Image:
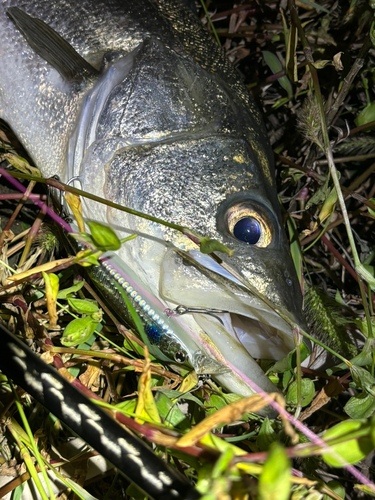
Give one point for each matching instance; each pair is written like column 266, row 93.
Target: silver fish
column 137, row 102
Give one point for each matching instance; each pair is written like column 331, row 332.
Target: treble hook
column 180, row 310
column 72, row 179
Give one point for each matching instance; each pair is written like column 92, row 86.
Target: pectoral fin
column 51, row 46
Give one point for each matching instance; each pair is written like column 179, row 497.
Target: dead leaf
column 22, row 165
column 3, row 137
column 8, row 235
column 75, row 206
column 337, row 61
column 146, row 406
column 44, row 267
column 90, row 377
column 189, row 382
column 52, row 288
column 47, row 357
column 333, row 388
column 232, row 413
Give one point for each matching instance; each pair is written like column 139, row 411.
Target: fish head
column 210, row 185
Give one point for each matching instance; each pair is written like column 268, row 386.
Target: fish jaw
column 240, row 326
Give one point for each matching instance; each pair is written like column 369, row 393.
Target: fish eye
column 248, row 230
column 247, row 224
column 179, row 357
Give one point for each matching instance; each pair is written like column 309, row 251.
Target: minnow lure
column 162, row 327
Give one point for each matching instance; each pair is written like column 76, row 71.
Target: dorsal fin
column 51, row 46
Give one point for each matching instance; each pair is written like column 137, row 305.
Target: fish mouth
column 240, row 327
column 237, row 337
column 260, row 340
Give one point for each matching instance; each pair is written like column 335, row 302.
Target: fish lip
column 290, row 321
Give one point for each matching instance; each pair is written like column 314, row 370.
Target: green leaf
column 353, row 442
column 287, row 375
column 337, row 488
column 177, row 395
column 170, row 413
column 18, row 492
column 320, row 195
column 371, row 212
column 370, row 269
column 364, row 488
column 221, row 466
column 274, row 482
column 207, row 245
column 280, row 102
column 322, row 63
column 363, row 379
column 231, row 397
column 367, row 115
column 364, row 358
column 78, row 331
column 362, row 325
column 307, row 392
column 266, row 435
column 315, row 5
column 366, row 275
column 328, row 206
column 90, row 259
column 78, row 490
column 275, row 66
column 170, row 393
column 216, row 403
column 289, row 362
column 338, row 298
column 360, row 406
column 295, row 247
column 81, row 306
column 127, row 406
column 63, row 294
column 104, row 236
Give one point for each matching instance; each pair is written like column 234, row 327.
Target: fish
column 134, row 102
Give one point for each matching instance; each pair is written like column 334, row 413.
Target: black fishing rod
column 128, row 453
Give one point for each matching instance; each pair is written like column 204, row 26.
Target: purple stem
column 308, row 433
column 38, row 202
column 19, row 196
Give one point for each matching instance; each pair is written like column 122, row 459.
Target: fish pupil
column 247, row 230
column 179, row 357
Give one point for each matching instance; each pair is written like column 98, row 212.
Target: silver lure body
column 164, row 127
